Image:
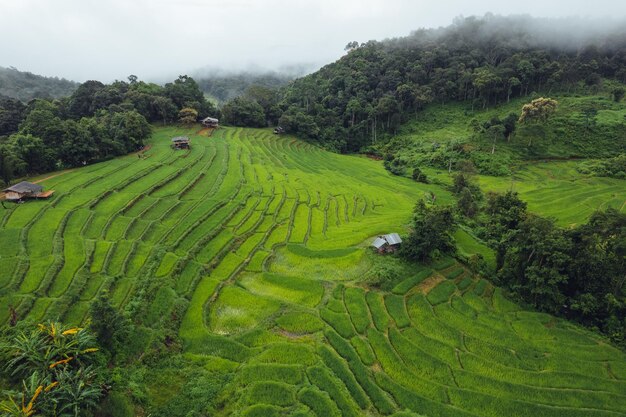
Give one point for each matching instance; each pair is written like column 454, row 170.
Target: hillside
column 365, row 97
column 442, row 136
column 244, row 265
column 26, row 86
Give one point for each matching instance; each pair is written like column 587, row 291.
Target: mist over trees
column 26, row 86
column 485, row 61
column 227, row 86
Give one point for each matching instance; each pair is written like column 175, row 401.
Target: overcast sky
column 158, row 39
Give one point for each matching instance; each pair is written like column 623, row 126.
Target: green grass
column 253, row 248
column 441, row 293
column 300, row 322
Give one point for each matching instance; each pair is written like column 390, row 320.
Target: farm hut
column 210, row 122
column 279, row 130
column 24, row 190
column 387, row 243
column 181, row 142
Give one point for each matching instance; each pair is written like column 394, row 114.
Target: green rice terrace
column 257, row 245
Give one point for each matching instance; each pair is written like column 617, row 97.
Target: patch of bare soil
column 428, row 284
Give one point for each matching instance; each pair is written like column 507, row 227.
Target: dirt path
column 53, row 176
column 207, row 131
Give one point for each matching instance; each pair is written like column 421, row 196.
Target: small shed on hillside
column 181, row 142
column 387, row 243
column 210, row 122
column 25, row 189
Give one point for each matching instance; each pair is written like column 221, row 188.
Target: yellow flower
column 61, row 362
column 72, row 331
column 49, row 387
column 29, row 408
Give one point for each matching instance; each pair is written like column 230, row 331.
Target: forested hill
column 226, row 86
column 377, row 86
column 26, row 86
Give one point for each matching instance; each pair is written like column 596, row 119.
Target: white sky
column 158, row 39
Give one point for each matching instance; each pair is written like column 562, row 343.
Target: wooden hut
column 23, row 190
column 210, row 122
column 181, row 142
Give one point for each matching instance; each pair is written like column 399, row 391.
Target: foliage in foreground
column 56, row 368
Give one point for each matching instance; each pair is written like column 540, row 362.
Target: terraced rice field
column 255, row 245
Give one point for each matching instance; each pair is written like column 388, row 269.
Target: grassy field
column 253, row 247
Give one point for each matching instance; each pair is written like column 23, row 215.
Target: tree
column 504, row 213
column 184, row 91
column 11, row 114
column 535, row 267
column 82, row 101
column 33, row 152
column 618, row 94
column 187, row 116
column 243, row 111
column 496, row 131
column 109, row 326
column 538, row 111
column 419, row 176
column 351, row 46
column 466, row 203
column 10, row 164
column 164, row 108
column 431, row 233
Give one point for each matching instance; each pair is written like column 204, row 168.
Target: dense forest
column 376, row 86
column 96, row 122
column 26, row 86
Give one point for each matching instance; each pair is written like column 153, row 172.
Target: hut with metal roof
column 210, row 122
column 387, row 243
column 23, row 190
column 181, row 142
